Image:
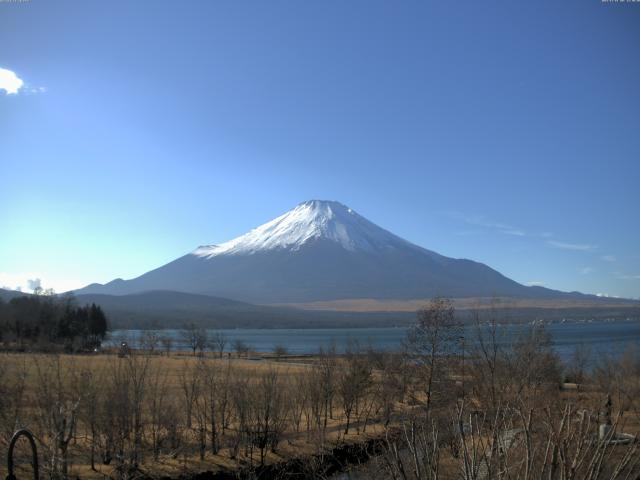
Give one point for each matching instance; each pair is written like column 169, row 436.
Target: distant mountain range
column 323, row 265
column 322, row 251
column 7, row 295
column 170, row 309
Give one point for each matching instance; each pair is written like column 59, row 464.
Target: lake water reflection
column 609, row 337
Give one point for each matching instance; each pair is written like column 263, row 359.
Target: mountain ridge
column 307, row 221
column 167, row 309
column 318, row 251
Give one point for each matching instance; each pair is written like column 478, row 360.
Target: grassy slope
column 377, row 305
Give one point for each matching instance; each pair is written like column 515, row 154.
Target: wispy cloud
column 481, row 221
column 535, row 283
column 29, row 90
column 10, row 82
column 583, row 247
column 546, row 237
column 627, row 277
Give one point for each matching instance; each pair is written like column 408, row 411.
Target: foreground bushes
column 491, row 409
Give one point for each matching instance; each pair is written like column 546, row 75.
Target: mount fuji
column 319, row 251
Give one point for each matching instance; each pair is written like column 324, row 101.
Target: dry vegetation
column 438, row 411
column 469, row 303
column 153, row 414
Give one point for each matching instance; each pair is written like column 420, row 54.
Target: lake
column 601, row 337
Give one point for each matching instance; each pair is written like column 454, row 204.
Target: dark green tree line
column 47, row 320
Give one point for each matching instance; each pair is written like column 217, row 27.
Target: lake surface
column 601, row 337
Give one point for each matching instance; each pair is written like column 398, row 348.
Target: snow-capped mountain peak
column 308, row 221
column 320, row 251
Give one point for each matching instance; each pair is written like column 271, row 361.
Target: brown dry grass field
column 68, row 374
column 293, row 444
column 472, row 303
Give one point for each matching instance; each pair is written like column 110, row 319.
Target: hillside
column 321, row 251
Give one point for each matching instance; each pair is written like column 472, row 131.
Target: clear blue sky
column 505, row 132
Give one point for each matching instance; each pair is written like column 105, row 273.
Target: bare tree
column 415, row 452
column 280, row 351
column 240, row 398
column 354, row 382
column 224, row 402
column 620, row 378
column 57, row 402
column 90, row 390
column 149, row 341
column 13, row 378
column 212, row 400
column 533, row 366
column 430, row 341
column 298, row 399
column 325, row 373
column 630, row 366
column 195, row 337
column 241, row 348
column 167, row 344
column 391, row 385
column 487, row 362
column 156, row 406
column 189, row 385
column 267, row 419
column 171, row 423
column 202, row 404
column 316, row 402
column 137, row 369
column 578, row 364
column 218, row 341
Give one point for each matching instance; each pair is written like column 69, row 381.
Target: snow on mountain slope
column 320, row 250
column 308, row 221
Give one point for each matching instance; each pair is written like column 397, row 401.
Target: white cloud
column 608, row 258
column 571, row 246
column 28, row 281
column 13, row 281
column 479, row 220
column 586, row 270
column 25, row 282
column 33, row 284
column 628, row 277
column 9, row 82
column 28, row 90
column 535, row 283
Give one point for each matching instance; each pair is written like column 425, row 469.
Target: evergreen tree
column 54, row 320
column 97, row 325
